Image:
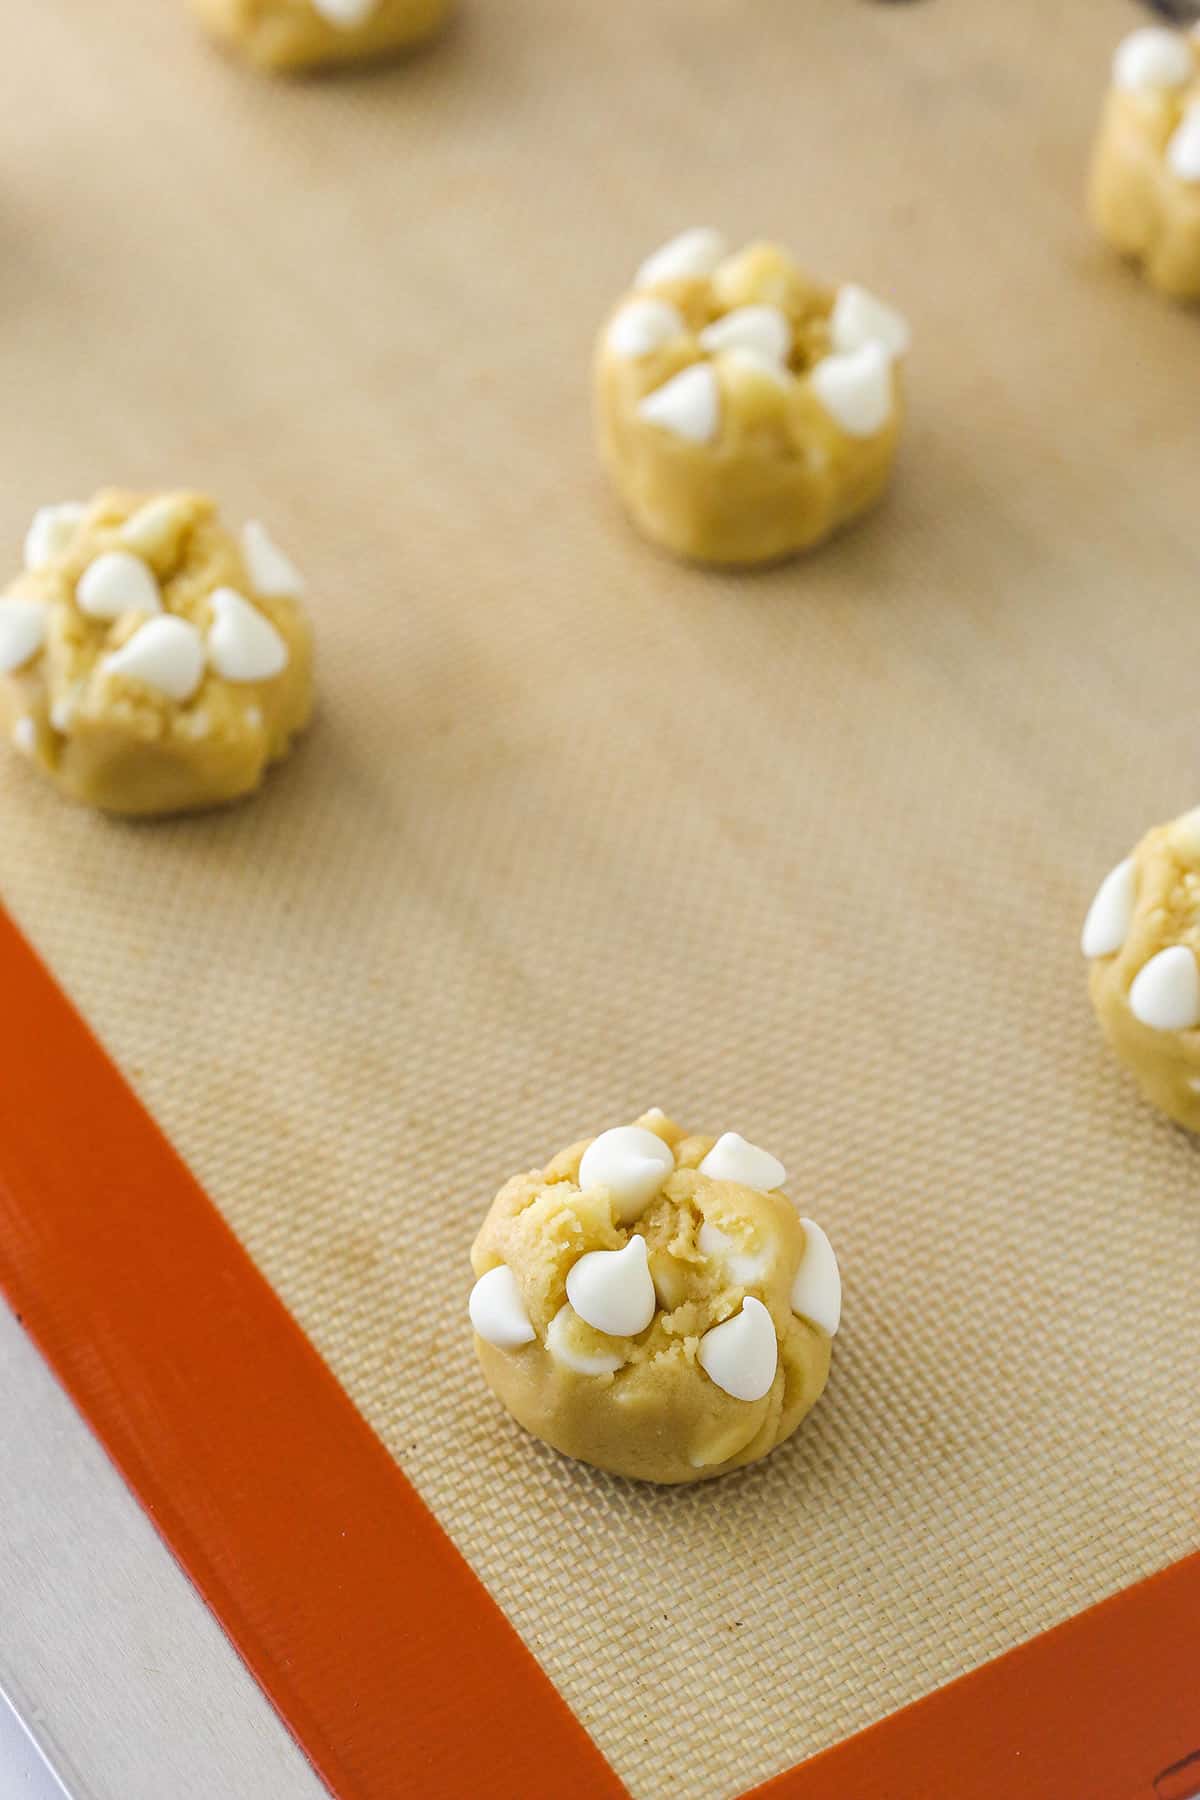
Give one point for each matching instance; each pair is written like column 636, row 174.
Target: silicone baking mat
column 579, row 831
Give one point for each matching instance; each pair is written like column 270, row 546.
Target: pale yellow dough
column 1165, row 913
column 781, row 474
column 291, row 35
column 115, row 743
column 659, row 1417
column 1140, row 206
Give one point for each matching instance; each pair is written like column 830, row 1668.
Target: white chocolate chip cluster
column 1142, row 938
column 150, row 661
column 652, row 1303
column 1145, row 184
column 745, row 412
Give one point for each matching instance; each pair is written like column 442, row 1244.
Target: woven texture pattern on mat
column 579, row 831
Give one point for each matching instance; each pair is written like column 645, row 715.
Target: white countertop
column 24, row 1772
column 106, row 1650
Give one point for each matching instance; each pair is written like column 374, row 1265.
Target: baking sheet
column 579, row 831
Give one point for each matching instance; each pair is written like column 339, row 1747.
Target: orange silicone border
column 1104, row 1707
column 382, row 1652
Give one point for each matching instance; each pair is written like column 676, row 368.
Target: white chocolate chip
column 1111, row 913
column 644, row 325
column 62, row 714
column 859, row 318
column 741, row 1355
column 695, row 252
column 817, row 1289
column 632, row 1163
column 1166, row 991
column 117, row 582
column 688, row 405
column 50, row 532
column 855, row 388
column 272, row 574
column 345, row 14
column 1183, row 151
column 741, row 358
column 24, row 735
column 22, row 631
column 242, row 644
column 1184, row 834
column 744, row 1268
column 713, row 1242
column 498, row 1311
column 166, row 654
column 611, row 1290
column 154, row 527
column 563, row 1350
column 733, row 1159
column 762, row 328
column 1152, row 58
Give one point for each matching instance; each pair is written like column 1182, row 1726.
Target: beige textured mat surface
column 579, row 831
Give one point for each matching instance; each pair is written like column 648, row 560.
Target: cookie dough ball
column 1142, row 937
column 650, row 1302
column 1145, row 183
column 745, row 411
column 150, row 661
column 288, row 35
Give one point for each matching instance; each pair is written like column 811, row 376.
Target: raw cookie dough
column 1145, row 181
column 651, row 1303
column 1142, row 936
column 150, row 661
column 745, row 412
column 302, row 34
